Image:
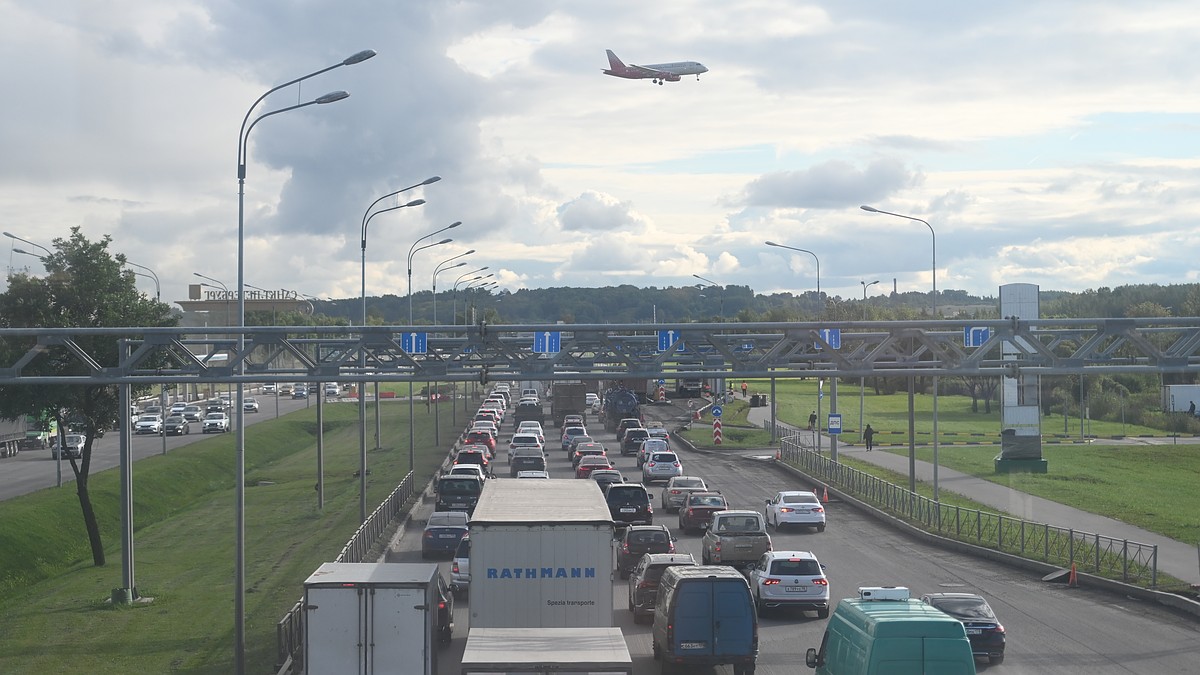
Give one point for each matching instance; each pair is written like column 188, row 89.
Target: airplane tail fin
column 613, row 62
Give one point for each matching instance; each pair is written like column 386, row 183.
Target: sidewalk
column 1176, row 558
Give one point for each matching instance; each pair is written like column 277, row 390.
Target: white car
column 590, row 399
column 268, row 388
column 795, row 507
column 526, row 440
column 469, row 470
column 533, row 474
column 177, row 409
column 790, row 579
column 148, row 424
column 331, row 390
column 531, row 427
column 250, row 404
column 215, row 422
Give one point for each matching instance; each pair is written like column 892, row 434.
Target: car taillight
column 646, row 584
column 691, row 512
column 428, row 535
column 441, row 604
column 674, row 492
column 454, row 567
column 676, row 465
column 818, row 509
column 770, row 582
column 820, row 582
column 625, row 547
column 649, row 508
column 671, row 547
column 650, row 464
column 999, row 627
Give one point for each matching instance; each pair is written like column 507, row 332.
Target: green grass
column 53, row 598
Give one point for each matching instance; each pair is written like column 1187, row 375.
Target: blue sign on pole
column 661, row 382
column 835, row 423
column 975, row 336
column 666, row 338
column 547, row 342
column 716, row 411
column 832, row 336
column 414, row 343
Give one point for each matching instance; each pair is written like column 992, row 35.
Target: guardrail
column 1129, row 561
column 289, row 632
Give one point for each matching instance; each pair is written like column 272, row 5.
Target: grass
column 53, row 598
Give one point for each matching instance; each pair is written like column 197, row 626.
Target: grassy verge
column 56, row 617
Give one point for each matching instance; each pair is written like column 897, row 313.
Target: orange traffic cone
column 1072, row 578
column 825, row 495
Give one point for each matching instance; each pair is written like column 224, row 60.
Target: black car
column 629, row 504
column 632, row 440
column 457, row 493
column 983, row 628
column 445, row 615
column 177, row 425
column 643, row 581
column 640, row 540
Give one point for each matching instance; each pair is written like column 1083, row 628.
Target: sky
column 1051, row 142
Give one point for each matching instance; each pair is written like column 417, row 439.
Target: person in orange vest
column 744, row 388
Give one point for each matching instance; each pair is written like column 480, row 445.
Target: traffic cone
column 825, row 495
column 1072, row 578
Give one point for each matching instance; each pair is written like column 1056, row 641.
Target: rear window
column 796, row 568
column 648, row 537
column 801, row 499
column 663, row 457
column 969, row 608
column 706, row 501
column 460, row 486
column 627, row 495
column 739, row 524
column 687, row 482
column 637, row 433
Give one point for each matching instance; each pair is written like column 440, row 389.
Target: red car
column 591, row 463
column 478, row 437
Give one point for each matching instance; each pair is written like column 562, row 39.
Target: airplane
column 655, row 72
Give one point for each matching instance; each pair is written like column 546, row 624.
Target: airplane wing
column 650, row 72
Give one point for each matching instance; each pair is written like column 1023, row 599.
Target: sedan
column 443, row 532
column 790, row 579
column 193, row 413
column 984, row 630
column 177, row 425
column 677, row 489
column 795, row 507
column 589, row 464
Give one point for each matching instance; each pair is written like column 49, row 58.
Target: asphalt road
column 1052, row 629
column 33, row 470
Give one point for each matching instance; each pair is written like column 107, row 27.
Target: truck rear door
column 733, row 619
column 694, row 619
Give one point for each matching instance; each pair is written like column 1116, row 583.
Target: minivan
column 884, row 632
column 704, row 615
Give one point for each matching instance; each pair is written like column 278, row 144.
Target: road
column 33, row 470
column 1052, row 629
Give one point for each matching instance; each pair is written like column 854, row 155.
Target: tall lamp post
column 240, row 436
column 150, row 274
column 865, row 286
column 862, row 381
column 714, row 284
column 442, row 267
column 412, row 250
column 933, row 315
column 463, row 279
column 218, row 284
column 820, row 298
column 10, row 235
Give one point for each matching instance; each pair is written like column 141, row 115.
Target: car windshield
column 460, row 487
column 807, row 498
column 965, row 608
column 796, row 568
column 707, row 501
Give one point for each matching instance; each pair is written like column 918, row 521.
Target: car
column 643, row 581
column 285, row 388
column 443, row 531
column 457, row 492
column 627, row 423
column 250, row 404
column 648, row 446
column 639, row 540
column 176, row 409
column 486, row 425
column 790, row 579
column 481, row 437
column 576, row 441
column 153, row 410
column 661, row 466
column 660, row 433
column 193, row 413
column 531, row 427
column 72, row 447
column 300, row 392
column 698, row 509
column 572, row 421
column 269, row 388
column 529, row 458
column 177, row 425
column 591, row 398
column 445, row 613
column 587, row 450
column 215, row 423
column 331, row 390
column 677, row 490
column 984, row 630
column 473, row 456
column 795, row 507
column 587, row 464
column 460, row 567
column 467, row 470
column 606, row 477
column 526, row 440
column 570, row 432
column 632, row 440
column 148, row 424
column 629, row 504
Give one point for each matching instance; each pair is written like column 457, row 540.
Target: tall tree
column 85, row 287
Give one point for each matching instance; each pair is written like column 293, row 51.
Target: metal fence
column 1130, row 561
column 289, row 632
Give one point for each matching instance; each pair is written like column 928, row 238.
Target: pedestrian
column 1192, row 408
column 812, row 421
column 869, row 437
column 745, row 387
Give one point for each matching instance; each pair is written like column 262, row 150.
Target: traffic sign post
column 716, row 411
column 547, row 342
column 835, row 424
column 414, row 343
column 666, row 338
column 716, row 431
column 975, row 336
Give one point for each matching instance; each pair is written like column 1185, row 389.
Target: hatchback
column 984, row 630
column 640, row 540
column 661, row 466
column 790, row 579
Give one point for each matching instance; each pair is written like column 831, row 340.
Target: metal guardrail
column 1129, row 561
column 289, row 632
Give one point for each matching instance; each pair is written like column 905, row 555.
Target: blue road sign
column 414, row 343
column 661, row 382
column 832, row 336
column 835, row 423
column 975, row 336
column 547, row 342
column 716, row 411
column 666, row 338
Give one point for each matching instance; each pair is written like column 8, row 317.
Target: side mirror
column 810, row 658
column 768, row 502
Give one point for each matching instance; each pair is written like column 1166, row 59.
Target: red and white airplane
column 655, row 72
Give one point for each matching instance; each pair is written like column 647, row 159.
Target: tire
column 823, row 613
column 996, row 660
column 820, row 528
column 704, row 558
column 624, row 574
column 759, row 610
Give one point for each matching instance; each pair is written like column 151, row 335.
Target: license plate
column 446, row 536
column 796, row 589
column 743, row 545
column 624, row 510
column 974, row 631
column 693, row 645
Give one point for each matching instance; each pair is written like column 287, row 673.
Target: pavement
column 1176, row 558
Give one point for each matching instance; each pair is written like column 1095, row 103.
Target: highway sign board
column 832, row 336
column 414, row 343
column 835, row 423
column 547, row 342
column 975, row 336
column 666, row 338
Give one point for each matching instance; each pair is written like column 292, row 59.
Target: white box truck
column 371, row 618
column 541, row 556
column 1181, row 397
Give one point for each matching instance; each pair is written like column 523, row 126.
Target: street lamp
column 10, row 235
column 240, row 437
column 454, row 288
column 865, row 286
column 412, row 250
column 219, row 284
column 442, row 267
column 151, row 275
column 933, row 315
column 820, row 299
column 715, row 285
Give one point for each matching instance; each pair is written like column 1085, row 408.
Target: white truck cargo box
column 883, row 593
column 1180, row 397
column 541, row 558
column 597, row 651
column 371, row 618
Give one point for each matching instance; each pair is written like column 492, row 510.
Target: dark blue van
column 704, row 615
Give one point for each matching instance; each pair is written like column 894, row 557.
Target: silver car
column 677, row 489
column 661, row 466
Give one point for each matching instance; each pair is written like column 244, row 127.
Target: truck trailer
column 371, row 618
column 1181, row 398
column 570, row 398
column 541, row 556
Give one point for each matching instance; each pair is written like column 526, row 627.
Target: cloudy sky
column 1050, row 142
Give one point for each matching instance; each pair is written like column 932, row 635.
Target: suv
column 627, row 423
column 984, row 630
column 640, row 540
column 790, row 579
column 629, row 504
column 215, row 422
column 632, row 440
column 661, row 466
column 737, row 538
column 643, row 581
column 457, row 493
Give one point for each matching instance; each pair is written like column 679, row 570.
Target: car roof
column 647, row 528
column 671, row 558
column 963, row 596
column 776, row 555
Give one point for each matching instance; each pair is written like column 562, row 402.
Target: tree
column 85, row 287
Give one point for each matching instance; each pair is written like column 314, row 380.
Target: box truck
column 1181, row 397
column 541, row 556
column 371, row 618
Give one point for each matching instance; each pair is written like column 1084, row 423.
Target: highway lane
column 32, row 470
column 1051, row 629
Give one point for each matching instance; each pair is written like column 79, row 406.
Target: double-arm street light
column 412, row 250
column 866, row 285
column 714, row 284
column 462, row 278
column 10, row 235
column 240, row 437
column 442, row 267
column 820, row 298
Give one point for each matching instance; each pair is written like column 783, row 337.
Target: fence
column 1129, row 561
column 289, row 632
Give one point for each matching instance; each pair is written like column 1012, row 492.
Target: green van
column 884, row 632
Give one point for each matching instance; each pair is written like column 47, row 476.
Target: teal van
column 884, row 632
column 704, row 616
